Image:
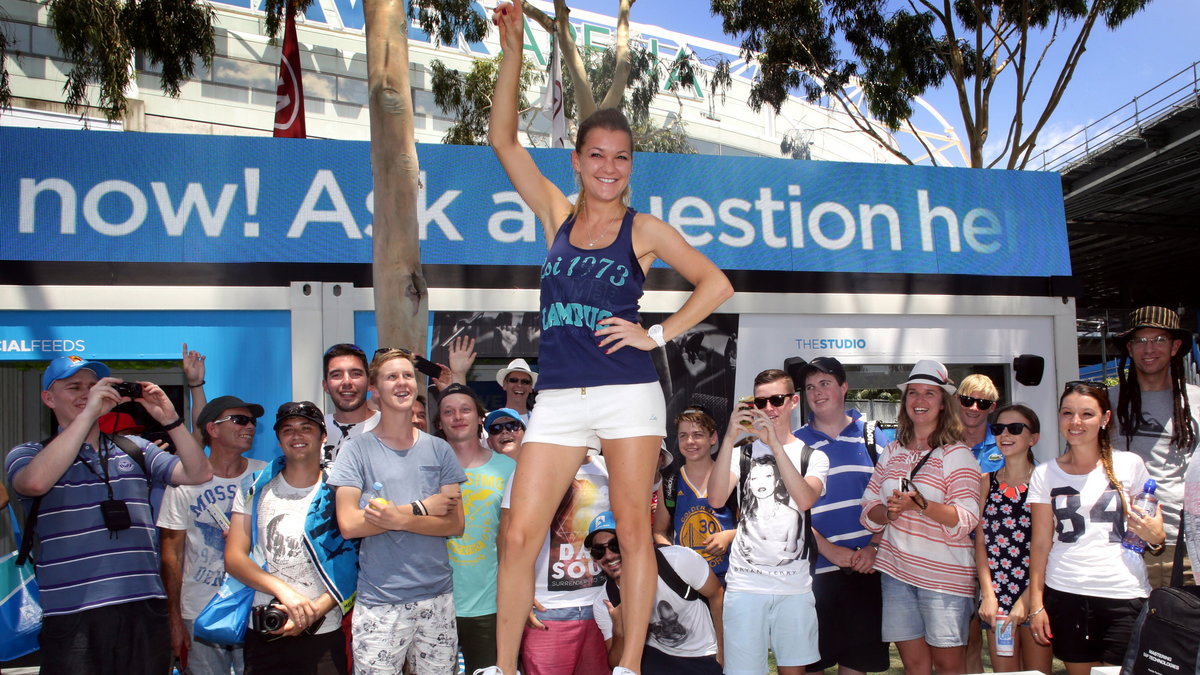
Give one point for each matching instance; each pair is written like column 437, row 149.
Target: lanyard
column 104, row 457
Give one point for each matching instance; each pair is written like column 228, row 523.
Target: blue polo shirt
column 987, row 454
column 836, row 514
column 81, row 565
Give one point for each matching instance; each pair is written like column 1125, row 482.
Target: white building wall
column 236, row 96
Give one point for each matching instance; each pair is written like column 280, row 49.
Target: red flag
column 289, row 96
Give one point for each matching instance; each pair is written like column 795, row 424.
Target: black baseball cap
column 825, row 364
column 217, row 407
column 306, row 409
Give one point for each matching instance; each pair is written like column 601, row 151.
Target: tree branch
column 616, row 92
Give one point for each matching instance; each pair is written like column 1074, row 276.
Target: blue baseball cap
column 501, row 413
column 66, row 366
column 605, row 522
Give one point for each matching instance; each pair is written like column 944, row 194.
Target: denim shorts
column 756, row 622
column 910, row 612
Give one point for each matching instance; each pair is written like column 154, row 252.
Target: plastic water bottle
column 376, row 492
column 1004, row 634
column 1147, row 503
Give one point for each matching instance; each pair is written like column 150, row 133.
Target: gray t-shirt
column 398, row 567
column 1152, row 442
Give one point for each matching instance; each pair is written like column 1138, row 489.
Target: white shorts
column 582, row 417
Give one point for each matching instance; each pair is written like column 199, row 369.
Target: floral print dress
column 1006, row 535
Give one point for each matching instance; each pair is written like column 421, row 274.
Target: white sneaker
column 492, row 670
column 621, row 670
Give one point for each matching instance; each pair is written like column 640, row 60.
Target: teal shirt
column 473, row 555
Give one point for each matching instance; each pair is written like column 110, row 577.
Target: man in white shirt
column 769, row 603
column 684, row 636
column 192, row 525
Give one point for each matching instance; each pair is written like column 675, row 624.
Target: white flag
column 552, row 105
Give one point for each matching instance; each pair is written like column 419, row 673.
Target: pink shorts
column 582, row 417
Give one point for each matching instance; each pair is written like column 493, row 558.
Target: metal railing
column 1125, row 123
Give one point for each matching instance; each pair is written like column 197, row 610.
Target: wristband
column 198, row 384
column 1156, row 549
column 178, row 421
column 419, row 509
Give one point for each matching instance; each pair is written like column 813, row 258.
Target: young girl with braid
column 1085, row 589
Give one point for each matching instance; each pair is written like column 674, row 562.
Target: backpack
column 665, row 572
column 124, row 444
column 1166, row 636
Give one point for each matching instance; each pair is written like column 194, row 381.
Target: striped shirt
column 81, row 565
column 835, row 515
column 915, row 549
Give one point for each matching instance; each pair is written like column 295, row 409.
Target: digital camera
column 267, row 618
column 131, row 390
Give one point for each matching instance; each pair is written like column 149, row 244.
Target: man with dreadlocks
column 1157, row 414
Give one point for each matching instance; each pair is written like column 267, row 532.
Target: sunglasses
column 240, row 420
column 981, row 403
column 1098, row 384
column 777, row 400
column 1014, row 428
column 501, row 427
column 597, row 550
column 519, row 380
column 907, row 485
column 384, row 350
column 1143, row 341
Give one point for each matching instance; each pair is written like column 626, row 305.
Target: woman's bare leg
column 631, row 464
column 544, row 472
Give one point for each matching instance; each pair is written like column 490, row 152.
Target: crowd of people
column 400, row 532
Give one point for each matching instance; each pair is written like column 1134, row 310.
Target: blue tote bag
column 20, row 609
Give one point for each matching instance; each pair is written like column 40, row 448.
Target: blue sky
column 1117, row 66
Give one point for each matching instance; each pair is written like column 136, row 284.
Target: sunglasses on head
column 1097, row 384
column 777, row 400
column 1014, row 428
column 240, row 420
column 501, row 427
column 597, row 550
column 519, row 380
column 384, row 350
column 981, row 403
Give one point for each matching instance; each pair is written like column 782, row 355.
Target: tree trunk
column 401, row 295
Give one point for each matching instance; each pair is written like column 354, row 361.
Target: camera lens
column 273, row 619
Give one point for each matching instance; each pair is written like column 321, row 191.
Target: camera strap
column 913, row 473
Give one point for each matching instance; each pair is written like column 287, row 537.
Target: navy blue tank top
column 580, row 288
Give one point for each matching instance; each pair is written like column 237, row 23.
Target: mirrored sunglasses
column 240, row 420
column 501, row 427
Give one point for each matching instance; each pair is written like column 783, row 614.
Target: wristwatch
column 656, row 333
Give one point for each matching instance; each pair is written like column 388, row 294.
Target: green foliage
column 5, row 89
column 896, row 50
column 468, row 97
column 99, row 37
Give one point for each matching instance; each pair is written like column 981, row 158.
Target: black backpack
column 667, row 574
column 1166, row 636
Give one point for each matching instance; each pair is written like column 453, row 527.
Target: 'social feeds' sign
column 174, row 198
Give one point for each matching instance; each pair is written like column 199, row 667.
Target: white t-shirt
column 1086, row 556
column 281, row 513
column 565, row 574
column 335, row 436
column 185, row 507
column 677, row 627
column 766, row 553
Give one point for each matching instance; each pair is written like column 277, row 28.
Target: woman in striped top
column 924, row 496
